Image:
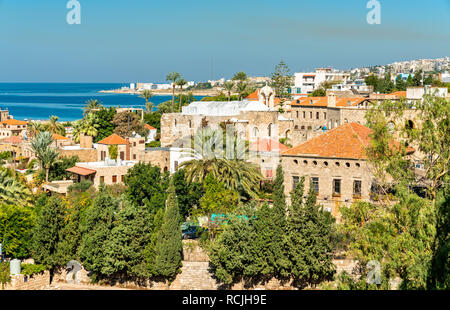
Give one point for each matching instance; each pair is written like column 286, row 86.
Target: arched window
column 287, row 134
column 255, row 132
column 269, row 130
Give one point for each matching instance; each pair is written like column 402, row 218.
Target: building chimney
column 85, row 141
column 332, row 100
column 127, row 151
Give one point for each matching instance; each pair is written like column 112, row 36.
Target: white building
column 222, row 108
column 307, row 82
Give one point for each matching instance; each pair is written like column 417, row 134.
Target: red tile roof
column 149, row 127
column 268, row 145
column 399, row 94
column 55, row 136
column 81, row 171
column 253, row 96
column 113, row 139
column 323, row 101
column 12, row 140
column 346, row 141
column 14, row 122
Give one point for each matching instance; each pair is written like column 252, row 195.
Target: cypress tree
column 169, row 246
column 309, row 241
column 46, row 234
column 270, row 229
column 96, row 227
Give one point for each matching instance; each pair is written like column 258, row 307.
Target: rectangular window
column 324, row 115
column 114, row 178
column 134, row 156
column 357, row 185
column 336, row 186
column 310, row 115
column 315, row 184
column 122, row 156
column 297, row 113
column 102, row 179
column 295, row 180
column 304, row 114
column 122, row 179
column 317, row 115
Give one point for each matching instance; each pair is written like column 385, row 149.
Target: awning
column 81, row 171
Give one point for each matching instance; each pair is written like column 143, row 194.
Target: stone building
column 334, row 164
column 12, row 127
column 109, row 172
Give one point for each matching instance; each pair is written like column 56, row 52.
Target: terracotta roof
column 149, row 127
column 253, row 96
column 323, row 101
column 55, row 136
column 346, row 141
column 81, row 171
column 113, row 139
column 268, row 145
column 399, row 94
column 14, row 122
column 12, row 140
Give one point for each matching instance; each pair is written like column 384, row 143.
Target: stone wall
column 85, row 155
column 38, row 281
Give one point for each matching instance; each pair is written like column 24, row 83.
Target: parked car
column 192, row 232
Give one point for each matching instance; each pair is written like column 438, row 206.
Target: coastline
column 163, row 92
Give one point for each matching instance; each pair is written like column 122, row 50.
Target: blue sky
column 143, row 40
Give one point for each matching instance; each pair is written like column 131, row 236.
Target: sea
column 39, row 101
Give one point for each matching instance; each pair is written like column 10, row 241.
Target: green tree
column 96, row 228
column 124, row 250
column 281, row 80
column 54, row 126
column 173, row 77
column 16, row 224
column 92, row 105
column 46, row 155
column 400, row 84
column 11, row 190
column 153, row 119
column 217, row 199
column 113, row 151
column 169, row 246
column 126, row 123
column 147, row 95
column 309, row 239
column 88, row 126
column 70, row 235
column 228, row 86
column 181, row 83
column 150, row 249
column 146, row 186
column 58, row 169
column 46, row 233
column 103, row 120
column 188, row 194
column 417, row 79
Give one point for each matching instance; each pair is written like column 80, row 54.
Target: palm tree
column 54, row 127
column 173, row 77
column 181, row 83
column 34, row 128
column 241, row 89
column 147, row 95
column 206, row 157
column 11, row 190
column 237, row 175
column 91, row 105
column 46, row 155
column 87, row 126
column 229, row 85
